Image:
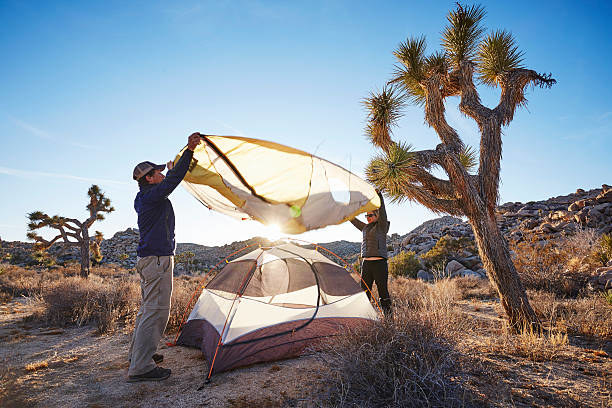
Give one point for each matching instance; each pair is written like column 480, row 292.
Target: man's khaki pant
column 156, row 287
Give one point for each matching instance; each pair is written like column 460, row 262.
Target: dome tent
column 272, row 303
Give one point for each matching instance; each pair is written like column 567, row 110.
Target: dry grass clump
column 589, row 316
column 562, row 267
column 110, row 297
column 392, row 364
column 74, row 300
column 472, row 288
column 39, row 365
column 535, row 346
column 182, row 294
column 407, row 361
column 17, row 281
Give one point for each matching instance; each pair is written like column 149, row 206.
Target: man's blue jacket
column 155, row 213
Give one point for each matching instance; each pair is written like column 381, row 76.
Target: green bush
column 404, row 264
column 357, row 265
column 608, row 296
column 603, row 249
column 448, row 248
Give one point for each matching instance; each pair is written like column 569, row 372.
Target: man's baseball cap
column 143, row 168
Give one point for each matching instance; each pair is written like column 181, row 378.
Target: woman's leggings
column 376, row 271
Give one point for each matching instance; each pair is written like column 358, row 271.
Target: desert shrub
column 357, row 265
column 182, row 292
column 407, row 361
column 470, row 288
column 19, row 281
column 559, row 266
column 404, row 264
column 448, row 248
column 408, row 292
column 41, row 258
column 105, row 304
column 608, row 296
column 393, row 363
column 587, row 316
column 602, row 251
column 535, row 346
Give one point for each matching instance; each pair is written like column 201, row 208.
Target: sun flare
column 272, row 232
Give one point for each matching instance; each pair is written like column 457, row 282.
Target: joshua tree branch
column 43, row 242
column 76, row 222
column 470, row 100
column 442, row 189
column 434, row 114
column 513, row 85
column 71, row 227
column 429, row 200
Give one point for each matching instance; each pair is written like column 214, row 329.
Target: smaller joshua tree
column 72, row 232
column 94, row 247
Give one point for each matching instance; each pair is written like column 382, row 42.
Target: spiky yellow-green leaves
column 391, row 170
column 468, row 158
column 497, row 54
column 98, row 202
column 384, row 109
column 460, row 38
column 436, row 64
column 412, row 68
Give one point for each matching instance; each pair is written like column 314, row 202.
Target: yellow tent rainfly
column 253, row 179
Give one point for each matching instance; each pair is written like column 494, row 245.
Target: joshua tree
column 72, row 231
column 185, row 258
column 94, row 247
column 467, row 57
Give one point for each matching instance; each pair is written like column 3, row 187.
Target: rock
column 602, row 279
column 425, row 276
column 468, row 273
column 546, row 228
column 529, row 224
column 453, row 267
column 471, row 262
column 605, row 197
column 483, row 273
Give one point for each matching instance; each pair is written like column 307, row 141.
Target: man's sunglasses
column 370, row 215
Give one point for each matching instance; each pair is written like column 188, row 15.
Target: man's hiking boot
column 156, row 374
column 157, row 358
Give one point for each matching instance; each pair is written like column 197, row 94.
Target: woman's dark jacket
column 155, row 213
column 374, row 242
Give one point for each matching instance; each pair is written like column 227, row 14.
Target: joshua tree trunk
column 496, row 258
column 85, row 261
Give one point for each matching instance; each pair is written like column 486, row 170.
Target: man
column 155, row 261
column 374, row 267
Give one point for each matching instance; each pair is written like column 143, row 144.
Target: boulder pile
column 550, row 219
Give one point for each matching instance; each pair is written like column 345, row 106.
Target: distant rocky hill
column 548, row 219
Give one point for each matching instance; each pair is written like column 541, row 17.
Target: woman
column 374, row 253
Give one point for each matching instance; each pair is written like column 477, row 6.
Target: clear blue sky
column 89, row 89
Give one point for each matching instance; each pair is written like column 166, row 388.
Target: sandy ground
column 53, row 367
column 74, row 367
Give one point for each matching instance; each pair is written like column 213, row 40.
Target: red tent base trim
column 266, row 344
